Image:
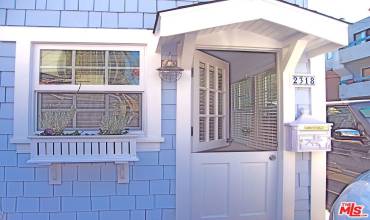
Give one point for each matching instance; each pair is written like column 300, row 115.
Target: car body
column 354, row 201
column 350, row 155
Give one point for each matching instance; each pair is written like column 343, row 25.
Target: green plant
column 55, row 122
column 115, row 124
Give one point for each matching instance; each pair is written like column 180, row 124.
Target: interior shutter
column 210, row 102
column 254, row 112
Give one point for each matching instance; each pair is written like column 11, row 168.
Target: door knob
column 272, row 157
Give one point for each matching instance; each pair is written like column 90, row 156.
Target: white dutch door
column 237, row 183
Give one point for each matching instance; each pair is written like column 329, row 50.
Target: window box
column 54, row 150
column 77, row 149
column 61, row 69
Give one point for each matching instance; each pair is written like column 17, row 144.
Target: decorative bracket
column 55, row 173
column 123, row 174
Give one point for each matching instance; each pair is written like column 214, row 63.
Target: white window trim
column 27, row 37
column 72, row 88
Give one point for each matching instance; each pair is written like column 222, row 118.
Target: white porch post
column 318, row 159
column 289, row 59
column 183, row 134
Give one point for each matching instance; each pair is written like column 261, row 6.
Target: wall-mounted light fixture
column 169, row 70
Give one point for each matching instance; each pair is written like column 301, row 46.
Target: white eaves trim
column 27, row 37
column 76, row 35
column 190, row 19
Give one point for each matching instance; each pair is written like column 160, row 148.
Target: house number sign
column 303, row 80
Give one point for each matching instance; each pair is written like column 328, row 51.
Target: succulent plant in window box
column 116, row 122
column 55, row 122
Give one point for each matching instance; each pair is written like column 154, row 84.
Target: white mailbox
column 307, row 134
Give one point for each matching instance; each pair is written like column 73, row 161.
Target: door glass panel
column 220, row 80
column 202, row 129
column 202, row 101
column 220, row 103
column 202, row 75
column 220, row 127
column 211, row 102
column 211, row 77
column 211, row 128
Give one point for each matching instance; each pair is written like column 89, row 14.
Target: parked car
column 350, row 155
column 354, row 201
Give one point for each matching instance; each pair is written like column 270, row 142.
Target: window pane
column 90, row 76
column 89, row 119
column 89, row 67
column 90, row 101
column 92, row 107
column 53, row 107
column 55, row 76
column 47, row 117
column 55, row 101
column 55, row 58
column 124, row 59
column 366, row 72
column 124, row 76
column 90, row 58
column 129, row 104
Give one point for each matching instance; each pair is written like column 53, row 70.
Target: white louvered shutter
column 210, row 102
column 254, row 112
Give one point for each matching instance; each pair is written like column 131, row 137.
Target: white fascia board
column 212, row 15
column 76, row 35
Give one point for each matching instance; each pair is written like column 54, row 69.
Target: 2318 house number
column 303, row 80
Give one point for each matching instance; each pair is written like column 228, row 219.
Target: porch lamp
column 169, row 70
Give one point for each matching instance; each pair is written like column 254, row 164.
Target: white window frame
column 28, row 38
column 72, row 88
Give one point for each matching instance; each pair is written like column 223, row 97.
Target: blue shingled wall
column 85, row 13
column 90, row 191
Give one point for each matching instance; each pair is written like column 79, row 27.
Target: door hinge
column 192, row 72
column 191, row 131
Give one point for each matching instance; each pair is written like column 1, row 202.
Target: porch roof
column 274, row 21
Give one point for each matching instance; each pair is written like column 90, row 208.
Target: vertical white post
column 286, row 179
column 318, row 159
column 183, row 135
column 21, row 96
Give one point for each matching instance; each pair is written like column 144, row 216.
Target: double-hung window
column 95, row 81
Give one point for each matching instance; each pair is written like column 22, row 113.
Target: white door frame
column 286, row 160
